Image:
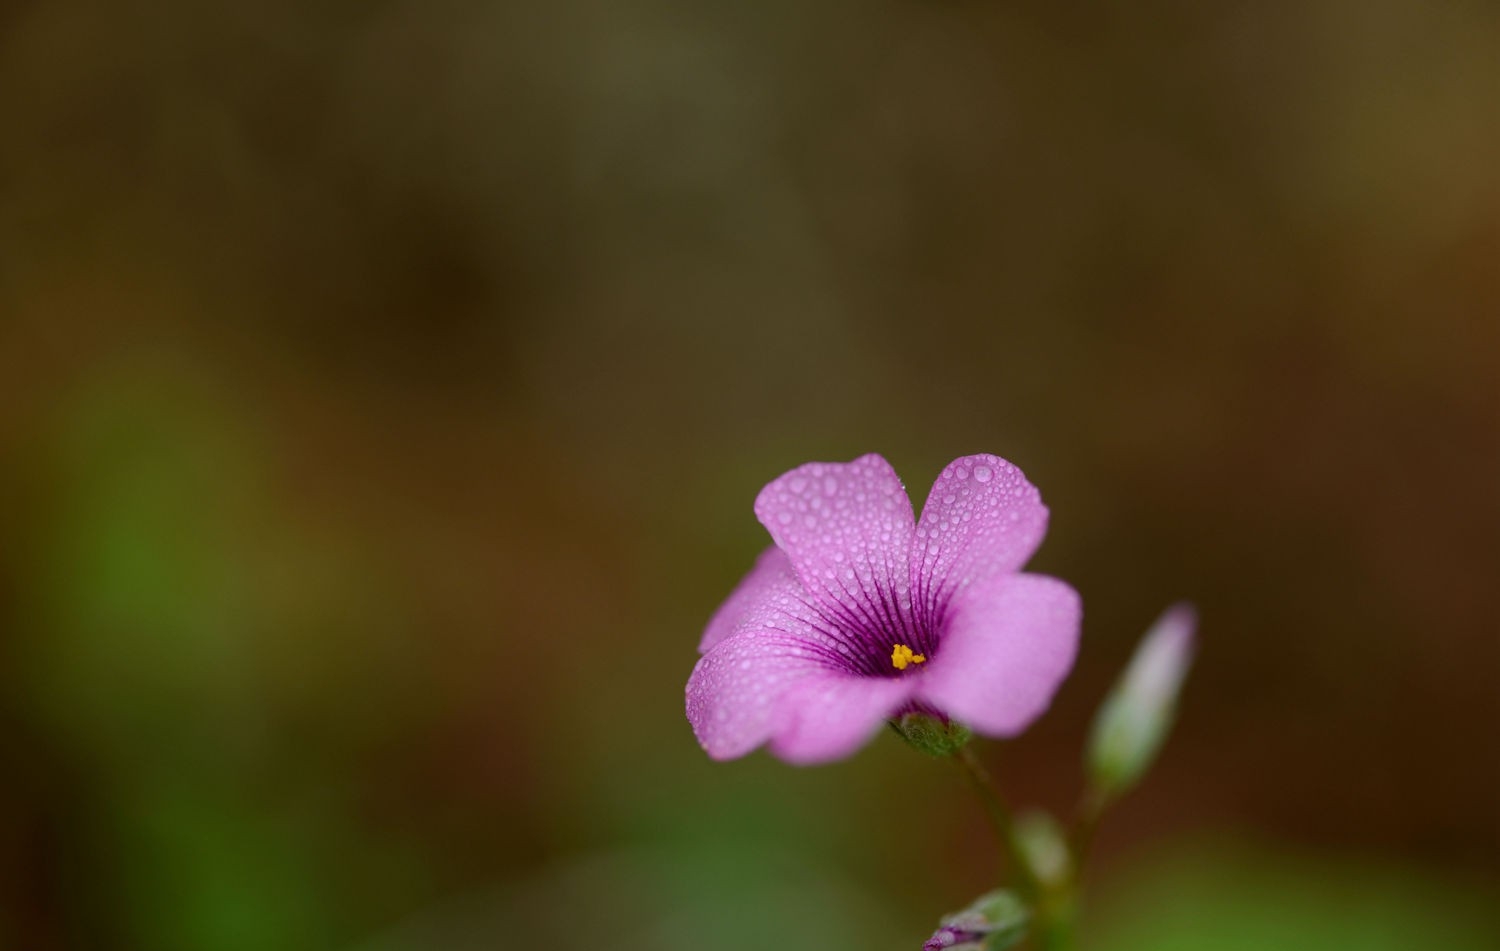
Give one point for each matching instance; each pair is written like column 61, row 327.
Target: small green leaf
column 1138, row 713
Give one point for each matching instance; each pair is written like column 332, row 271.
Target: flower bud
column 1044, row 845
column 1135, row 717
column 994, row 921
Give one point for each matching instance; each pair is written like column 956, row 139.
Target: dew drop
column 830, row 485
column 982, row 473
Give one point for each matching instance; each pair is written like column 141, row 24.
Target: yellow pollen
column 901, row 655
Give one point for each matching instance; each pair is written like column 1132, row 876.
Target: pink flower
column 860, row 614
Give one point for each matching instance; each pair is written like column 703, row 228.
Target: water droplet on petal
column 982, row 473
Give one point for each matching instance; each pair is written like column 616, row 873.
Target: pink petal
column 1006, row 648
column 982, row 519
column 829, row 717
column 737, row 692
column 847, row 529
column 770, row 582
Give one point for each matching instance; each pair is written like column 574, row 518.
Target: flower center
column 901, row 655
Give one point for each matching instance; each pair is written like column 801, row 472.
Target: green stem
column 1054, row 931
column 999, row 813
column 1054, row 904
column 1058, row 907
column 1085, row 824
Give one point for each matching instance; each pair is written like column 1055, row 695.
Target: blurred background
column 386, row 388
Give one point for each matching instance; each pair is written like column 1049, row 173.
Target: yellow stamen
column 901, row 655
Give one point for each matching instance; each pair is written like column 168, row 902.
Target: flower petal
column 1007, row 646
column 770, row 582
column 831, row 716
column 847, row 529
column 982, row 519
column 736, row 694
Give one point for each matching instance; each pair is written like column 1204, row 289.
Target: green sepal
column 932, row 735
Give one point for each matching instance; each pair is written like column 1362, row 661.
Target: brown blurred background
column 386, row 387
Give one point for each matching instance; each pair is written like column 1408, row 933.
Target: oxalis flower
column 860, row 613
